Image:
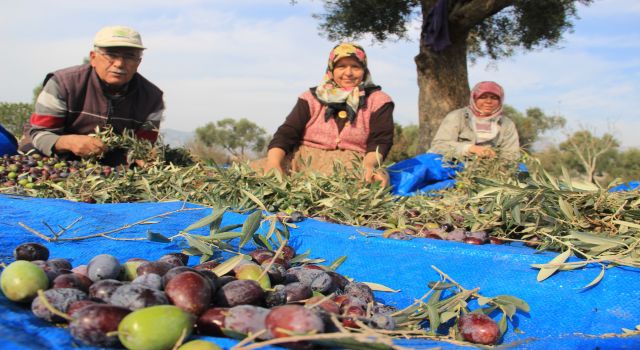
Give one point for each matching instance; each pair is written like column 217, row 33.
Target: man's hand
column 80, row 145
column 482, row 151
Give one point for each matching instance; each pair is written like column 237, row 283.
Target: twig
column 273, row 259
column 34, row 232
column 106, row 233
column 45, row 302
column 180, row 340
column 250, row 338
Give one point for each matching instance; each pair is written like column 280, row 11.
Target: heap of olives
column 142, row 304
column 447, row 231
column 29, row 170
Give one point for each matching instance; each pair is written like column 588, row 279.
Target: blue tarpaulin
column 8, row 143
column 421, row 174
column 629, row 186
column 562, row 316
column 428, row 172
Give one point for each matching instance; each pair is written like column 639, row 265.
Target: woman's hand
column 482, row 151
column 372, row 171
column 372, row 175
column 274, row 160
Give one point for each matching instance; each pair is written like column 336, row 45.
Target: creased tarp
column 562, row 315
column 422, row 173
column 629, row 186
column 427, row 172
column 8, row 143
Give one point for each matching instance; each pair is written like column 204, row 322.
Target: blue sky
column 251, row 59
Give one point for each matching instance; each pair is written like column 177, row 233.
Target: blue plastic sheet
column 563, row 316
column 8, row 143
column 422, row 173
column 426, row 173
column 629, row 186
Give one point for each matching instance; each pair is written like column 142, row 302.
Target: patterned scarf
column 481, row 88
column 344, row 102
column 486, row 127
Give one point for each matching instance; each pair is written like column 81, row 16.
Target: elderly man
column 106, row 91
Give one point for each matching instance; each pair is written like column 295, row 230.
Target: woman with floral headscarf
column 480, row 128
column 345, row 117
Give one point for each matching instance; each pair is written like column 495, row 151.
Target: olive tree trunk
column 442, row 76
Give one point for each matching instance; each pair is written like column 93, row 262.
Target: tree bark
column 442, row 76
column 443, row 86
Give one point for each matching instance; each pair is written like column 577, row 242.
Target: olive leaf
column 157, row 237
column 552, row 266
column 250, row 226
column 196, row 243
column 222, row 236
column 262, row 241
column 517, row 302
column 336, row 263
column 229, row 264
column 597, row 279
column 203, row 222
column 502, row 324
column 380, row 288
column 566, row 209
column 447, row 315
column 434, row 318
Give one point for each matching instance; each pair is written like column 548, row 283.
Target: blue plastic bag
column 427, row 172
column 422, row 173
column 8, row 143
column 629, row 186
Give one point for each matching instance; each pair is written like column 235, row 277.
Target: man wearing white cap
column 106, row 91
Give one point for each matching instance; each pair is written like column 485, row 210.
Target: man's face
column 115, row 65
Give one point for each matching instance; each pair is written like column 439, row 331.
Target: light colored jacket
column 455, row 136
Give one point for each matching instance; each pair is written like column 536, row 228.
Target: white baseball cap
column 118, row 36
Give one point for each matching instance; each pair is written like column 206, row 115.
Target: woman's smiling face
column 348, row 72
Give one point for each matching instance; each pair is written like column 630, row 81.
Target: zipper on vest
column 109, row 110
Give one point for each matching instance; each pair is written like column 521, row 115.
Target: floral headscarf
column 481, row 88
column 338, row 99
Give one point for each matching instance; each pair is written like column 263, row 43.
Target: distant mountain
column 176, row 138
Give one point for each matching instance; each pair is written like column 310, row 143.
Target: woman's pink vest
column 325, row 135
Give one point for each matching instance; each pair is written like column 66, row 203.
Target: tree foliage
column 626, row 165
column 494, row 28
column 586, row 155
column 13, row 116
column 592, row 153
column 477, row 28
column 352, row 18
column 532, row 124
column 524, row 24
column 235, row 136
column 405, row 143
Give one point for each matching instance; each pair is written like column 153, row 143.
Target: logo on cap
column 118, row 36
